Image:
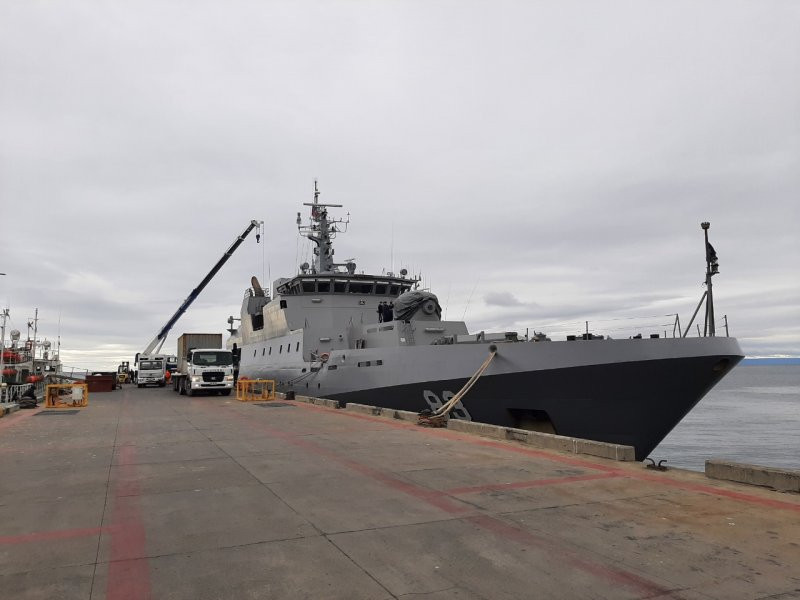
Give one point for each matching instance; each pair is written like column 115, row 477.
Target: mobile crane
column 150, row 365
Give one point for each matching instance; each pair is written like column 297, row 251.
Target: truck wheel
column 189, row 390
column 138, row 385
column 182, row 385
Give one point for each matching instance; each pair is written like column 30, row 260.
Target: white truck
column 150, row 370
column 151, row 361
column 203, row 365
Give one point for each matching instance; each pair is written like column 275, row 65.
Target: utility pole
column 5, row 315
column 35, row 330
column 33, row 324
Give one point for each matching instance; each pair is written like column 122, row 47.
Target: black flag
column 711, row 255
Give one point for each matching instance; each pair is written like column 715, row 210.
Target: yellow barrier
column 252, row 390
column 66, row 395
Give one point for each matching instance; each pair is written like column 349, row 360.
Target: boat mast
column 5, row 314
column 712, row 268
column 321, row 231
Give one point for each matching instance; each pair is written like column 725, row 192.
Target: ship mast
column 321, row 231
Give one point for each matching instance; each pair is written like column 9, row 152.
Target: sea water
column 752, row 416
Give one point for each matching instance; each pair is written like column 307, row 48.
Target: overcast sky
column 540, row 163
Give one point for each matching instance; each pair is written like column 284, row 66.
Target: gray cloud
column 515, row 153
column 501, row 299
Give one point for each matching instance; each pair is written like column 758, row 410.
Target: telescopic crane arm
column 158, row 341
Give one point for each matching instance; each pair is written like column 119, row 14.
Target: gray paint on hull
column 623, row 391
column 634, row 404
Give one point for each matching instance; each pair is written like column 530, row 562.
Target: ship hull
column 630, row 392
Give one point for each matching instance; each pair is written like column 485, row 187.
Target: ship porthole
column 721, row 365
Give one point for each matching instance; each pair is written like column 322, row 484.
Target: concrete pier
column 784, row 480
column 147, row 494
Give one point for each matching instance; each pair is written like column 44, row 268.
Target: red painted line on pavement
column 433, row 497
column 128, row 570
column 530, row 483
column 715, row 491
column 41, row 536
column 559, row 552
column 8, row 421
column 465, row 437
column 492, row 524
column 577, row 462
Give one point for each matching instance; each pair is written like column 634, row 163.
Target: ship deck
column 146, row 494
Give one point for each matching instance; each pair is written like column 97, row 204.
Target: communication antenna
column 446, row 302
column 470, row 298
column 712, row 268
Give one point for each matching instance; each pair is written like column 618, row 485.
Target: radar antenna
column 322, row 231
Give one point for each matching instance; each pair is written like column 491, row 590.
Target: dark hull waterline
column 635, row 404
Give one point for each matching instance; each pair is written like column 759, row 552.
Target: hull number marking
column 435, row 403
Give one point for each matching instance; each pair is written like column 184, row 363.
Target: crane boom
column 162, row 335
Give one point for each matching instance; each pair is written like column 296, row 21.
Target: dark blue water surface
column 751, row 416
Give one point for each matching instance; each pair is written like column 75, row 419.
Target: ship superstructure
column 321, row 333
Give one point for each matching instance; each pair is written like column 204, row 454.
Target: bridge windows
column 359, row 287
column 364, row 286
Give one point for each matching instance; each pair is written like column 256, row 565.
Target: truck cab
column 205, row 370
column 150, row 370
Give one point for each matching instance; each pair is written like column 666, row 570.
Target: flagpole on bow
column 712, row 268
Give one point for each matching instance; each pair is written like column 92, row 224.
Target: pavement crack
column 108, row 491
column 359, row 567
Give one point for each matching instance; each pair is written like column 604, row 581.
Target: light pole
column 3, row 345
column 5, row 315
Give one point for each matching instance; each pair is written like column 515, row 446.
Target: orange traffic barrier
column 66, row 395
column 252, row 390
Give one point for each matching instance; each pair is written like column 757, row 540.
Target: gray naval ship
column 321, row 334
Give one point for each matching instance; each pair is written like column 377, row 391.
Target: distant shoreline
column 770, row 361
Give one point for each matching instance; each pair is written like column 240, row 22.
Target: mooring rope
column 437, row 418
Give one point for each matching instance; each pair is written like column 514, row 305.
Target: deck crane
column 150, row 353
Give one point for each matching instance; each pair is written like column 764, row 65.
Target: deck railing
column 13, row 393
